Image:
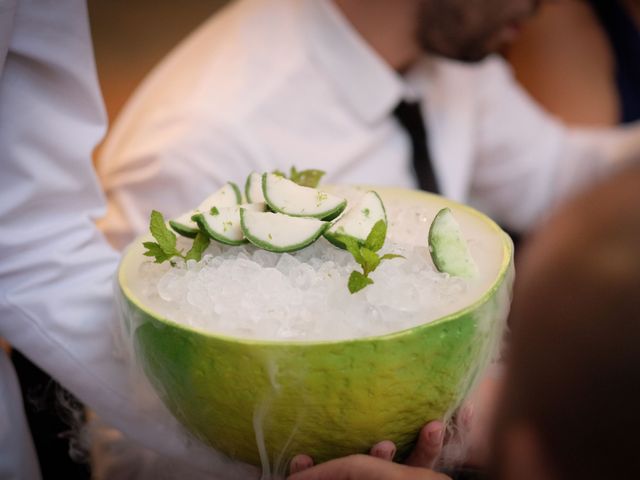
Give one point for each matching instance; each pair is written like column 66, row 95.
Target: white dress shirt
column 56, row 269
column 273, row 83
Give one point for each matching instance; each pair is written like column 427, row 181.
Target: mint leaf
column 165, row 248
column 351, row 244
column 166, row 238
column 358, row 281
column 366, row 255
column 376, row 237
column 390, row 256
column 306, row 178
column 200, row 244
column 154, row 250
column 371, row 260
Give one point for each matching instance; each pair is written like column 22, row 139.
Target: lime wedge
column 183, row 225
column 277, row 232
column 228, row 196
column 449, row 250
column 223, row 224
column 358, row 221
column 253, row 188
column 284, row 196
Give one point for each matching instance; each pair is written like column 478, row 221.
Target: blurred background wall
column 131, row 36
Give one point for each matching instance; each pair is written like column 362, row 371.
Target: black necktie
column 410, row 117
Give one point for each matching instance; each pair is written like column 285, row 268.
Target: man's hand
column 365, row 467
column 424, row 455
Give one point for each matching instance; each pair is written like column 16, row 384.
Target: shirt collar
column 363, row 80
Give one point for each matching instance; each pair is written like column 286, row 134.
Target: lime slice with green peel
column 184, row 225
column 228, row 196
column 253, row 188
column 449, row 250
column 358, row 221
column 279, row 233
column 223, row 224
column 284, row 196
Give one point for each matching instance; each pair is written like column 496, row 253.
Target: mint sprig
column 200, row 244
column 306, row 178
column 366, row 255
column 165, row 246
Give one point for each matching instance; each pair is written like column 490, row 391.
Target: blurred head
column 469, row 30
column 570, row 403
column 466, row 30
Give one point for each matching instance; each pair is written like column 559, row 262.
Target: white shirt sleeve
column 527, row 161
column 56, row 269
column 168, row 163
column 7, row 13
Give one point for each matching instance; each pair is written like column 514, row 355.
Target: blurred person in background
column 371, row 91
column 568, row 407
column 581, row 60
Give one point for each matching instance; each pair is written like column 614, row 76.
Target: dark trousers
column 51, row 421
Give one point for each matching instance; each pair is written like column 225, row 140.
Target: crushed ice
column 251, row 293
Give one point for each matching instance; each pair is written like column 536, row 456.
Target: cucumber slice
column 449, row 250
column 183, row 225
column 284, row 196
column 279, row 233
column 228, row 196
column 223, row 224
column 358, row 221
column 253, row 188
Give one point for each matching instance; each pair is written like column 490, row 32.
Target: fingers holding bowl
column 424, row 455
column 428, row 446
column 300, row 463
column 384, row 450
column 365, row 467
